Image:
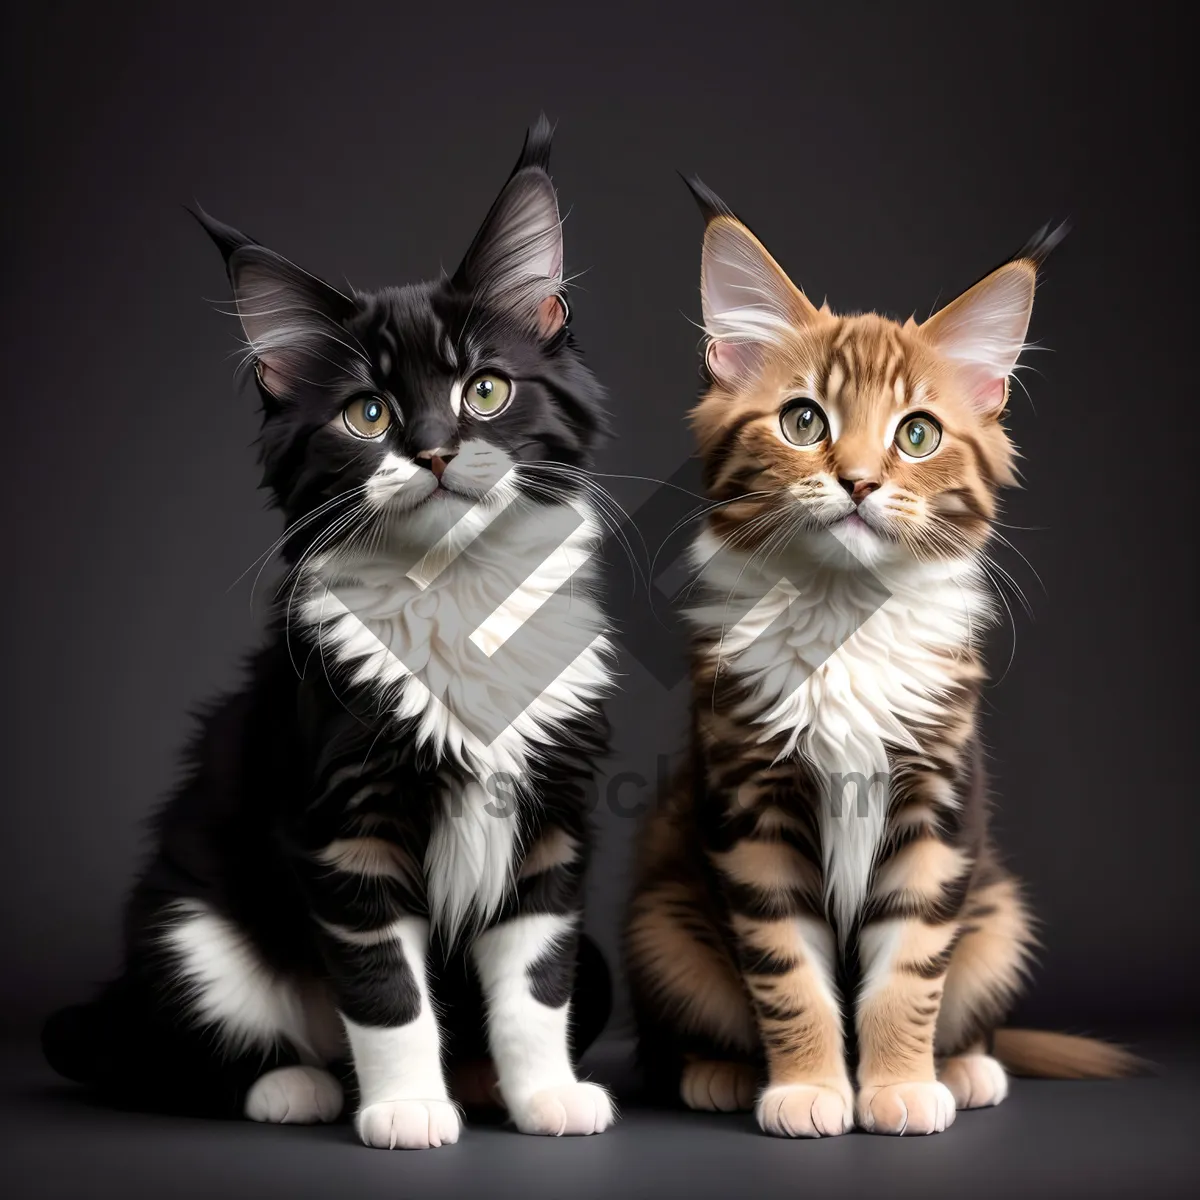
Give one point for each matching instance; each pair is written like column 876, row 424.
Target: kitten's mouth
column 853, row 521
column 440, row 493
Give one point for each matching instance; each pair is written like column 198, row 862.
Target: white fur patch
column 469, row 862
column 878, row 945
column 528, row 1039
column 294, row 1096
column 403, row 1098
column 229, row 986
column 838, row 682
column 821, row 953
column 974, row 1080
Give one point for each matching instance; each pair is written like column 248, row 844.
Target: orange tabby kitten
column 819, row 907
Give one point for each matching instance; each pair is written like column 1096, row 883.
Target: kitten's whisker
column 1005, row 542
column 1007, row 578
column 1011, row 620
column 324, row 510
column 737, row 533
column 299, row 523
column 780, row 516
column 342, row 523
column 699, row 513
column 607, row 507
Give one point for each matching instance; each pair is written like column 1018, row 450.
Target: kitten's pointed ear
column 749, row 302
column 983, row 331
column 515, row 262
column 292, row 320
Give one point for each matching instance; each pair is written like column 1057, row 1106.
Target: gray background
column 887, row 154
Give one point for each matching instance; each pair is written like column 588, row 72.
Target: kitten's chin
column 869, row 545
column 856, row 536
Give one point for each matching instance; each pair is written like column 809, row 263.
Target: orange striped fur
column 851, row 955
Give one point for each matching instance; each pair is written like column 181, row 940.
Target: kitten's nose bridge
column 859, row 467
column 432, row 436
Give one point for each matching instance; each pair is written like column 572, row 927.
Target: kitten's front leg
column 904, row 951
column 786, row 952
column 383, row 998
column 526, row 964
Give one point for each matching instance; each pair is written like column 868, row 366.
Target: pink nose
column 858, row 489
column 437, row 463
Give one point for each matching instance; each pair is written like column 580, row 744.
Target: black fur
column 267, row 783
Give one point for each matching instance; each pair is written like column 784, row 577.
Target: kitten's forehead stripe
column 834, row 379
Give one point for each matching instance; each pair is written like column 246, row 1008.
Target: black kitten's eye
column 487, row 393
column 367, row 417
column 919, row 436
column 803, row 423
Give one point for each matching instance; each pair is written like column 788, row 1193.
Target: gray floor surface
column 1137, row 1138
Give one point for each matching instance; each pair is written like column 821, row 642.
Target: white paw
column 408, row 1124
column 805, row 1110
column 906, row 1108
column 294, row 1096
column 568, row 1110
column 713, row 1086
column 974, row 1080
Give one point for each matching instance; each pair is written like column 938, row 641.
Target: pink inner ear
column 551, row 316
column 987, row 393
column 730, row 361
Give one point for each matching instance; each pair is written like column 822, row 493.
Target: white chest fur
column 428, row 638
column 840, row 677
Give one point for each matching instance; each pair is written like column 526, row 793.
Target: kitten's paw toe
column 294, row 1096
column 714, row 1086
column 805, row 1110
column 408, row 1124
column 569, row 1110
column 974, row 1080
column 906, row 1108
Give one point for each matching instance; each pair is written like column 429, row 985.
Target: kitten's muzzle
column 858, row 489
column 436, row 461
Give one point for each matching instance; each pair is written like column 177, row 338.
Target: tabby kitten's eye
column 367, row 417
column 488, row 394
column 803, row 424
column 919, row 436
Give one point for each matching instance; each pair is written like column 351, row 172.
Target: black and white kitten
column 379, row 848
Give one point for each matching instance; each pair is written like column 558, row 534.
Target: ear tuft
column 536, row 150
column 710, row 204
column 227, row 239
column 1043, row 243
column 515, row 262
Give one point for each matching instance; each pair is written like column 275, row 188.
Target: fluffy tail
column 98, row 1042
column 1042, row 1055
